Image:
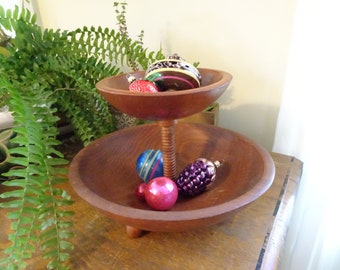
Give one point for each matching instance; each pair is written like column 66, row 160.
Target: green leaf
column 46, row 211
column 16, row 12
column 14, row 193
column 50, row 243
column 64, row 213
column 8, row 13
column 11, row 204
column 34, row 19
column 63, row 224
column 65, row 234
column 51, row 254
column 2, row 12
column 16, row 173
column 26, row 220
column 15, row 182
column 64, row 245
column 6, row 24
column 14, row 215
column 64, row 256
column 56, row 161
column 51, row 232
column 19, row 161
column 63, row 202
column 48, row 223
column 33, row 200
column 30, row 210
column 58, row 171
column 59, row 180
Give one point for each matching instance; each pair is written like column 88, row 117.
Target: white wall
column 249, row 39
column 6, row 4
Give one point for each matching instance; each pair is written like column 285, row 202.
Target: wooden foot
column 133, row 232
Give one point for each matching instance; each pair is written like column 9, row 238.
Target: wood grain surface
column 167, row 105
column 251, row 239
column 104, row 174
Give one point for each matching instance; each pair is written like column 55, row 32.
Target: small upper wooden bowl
column 167, row 105
column 104, row 174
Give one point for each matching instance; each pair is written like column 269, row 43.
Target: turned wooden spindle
column 169, row 161
column 168, row 147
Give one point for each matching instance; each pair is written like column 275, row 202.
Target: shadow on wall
column 255, row 121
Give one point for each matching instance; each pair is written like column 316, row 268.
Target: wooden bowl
column 167, row 105
column 104, row 175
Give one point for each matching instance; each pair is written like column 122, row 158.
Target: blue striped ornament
column 149, row 165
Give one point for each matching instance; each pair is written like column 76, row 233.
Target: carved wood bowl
column 166, row 105
column 104, row 175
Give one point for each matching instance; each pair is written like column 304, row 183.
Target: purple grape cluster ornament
column 196, row 177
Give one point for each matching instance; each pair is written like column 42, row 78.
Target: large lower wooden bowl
column 167, row 105
column 104, row 175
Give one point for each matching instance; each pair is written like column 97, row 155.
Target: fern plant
column 42, row 73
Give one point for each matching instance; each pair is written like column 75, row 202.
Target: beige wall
column 249, row 39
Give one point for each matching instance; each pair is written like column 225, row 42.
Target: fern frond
column 42, row 72
column 35, row 189
column 10, row 18
column 115, row 47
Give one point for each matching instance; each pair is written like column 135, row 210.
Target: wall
column 249, row 39
column 6, row 4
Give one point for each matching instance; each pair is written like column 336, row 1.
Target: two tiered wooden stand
column 104, row 173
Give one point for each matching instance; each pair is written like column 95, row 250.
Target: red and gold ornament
column 142, row 85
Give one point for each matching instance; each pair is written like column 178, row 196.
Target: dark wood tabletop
column 251, row 239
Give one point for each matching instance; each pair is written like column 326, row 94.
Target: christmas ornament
column 161, row 193
column 194, row 178
column 141, row 85
column 173, row 73
column 140, row 191
column 149, row 164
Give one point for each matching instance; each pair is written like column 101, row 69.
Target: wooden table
column 252, row 239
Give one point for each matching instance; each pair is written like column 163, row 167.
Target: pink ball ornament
column 161, row 193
